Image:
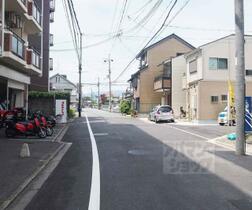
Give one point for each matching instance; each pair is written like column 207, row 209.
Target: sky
column 199, row 22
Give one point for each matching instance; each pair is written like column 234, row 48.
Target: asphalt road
column 144, row 166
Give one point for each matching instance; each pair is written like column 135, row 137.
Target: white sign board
column 61, row 111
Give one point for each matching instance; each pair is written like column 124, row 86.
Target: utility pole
column 109, row 60
column 80, row 70
column 98, row 97
column 240, row 78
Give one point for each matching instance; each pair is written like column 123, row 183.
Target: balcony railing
column 36, row 58
column 51, row 40
column 162, row 82
column 52, row 5
column 17, row 45
column 51, row 17
column 51, row 64
column 33, row 57
column 34, row 11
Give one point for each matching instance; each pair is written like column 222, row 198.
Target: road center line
column 94, row 199
column 193, row 134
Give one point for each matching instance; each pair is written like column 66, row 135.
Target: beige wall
column 208, row 110
column 155, row 56
column 178, row 95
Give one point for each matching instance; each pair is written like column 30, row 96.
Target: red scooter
column 29, row 128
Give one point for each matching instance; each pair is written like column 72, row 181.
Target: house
column 41, row 83
column 152, row 83
column 60, row 83
column 208, row 69
column 20, row 58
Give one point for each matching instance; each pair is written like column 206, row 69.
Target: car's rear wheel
column 221, row 124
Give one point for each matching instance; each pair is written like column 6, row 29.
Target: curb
column 62, row 131
column 29, row 179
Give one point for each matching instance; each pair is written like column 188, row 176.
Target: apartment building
column 41, row 83
column 19, row 58
column 152, row 83
column 208, row 69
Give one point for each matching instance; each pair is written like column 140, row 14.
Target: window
column 224, row 98
column 193, row 66
column 214, row 99
column 248, row 72
column 218, row 63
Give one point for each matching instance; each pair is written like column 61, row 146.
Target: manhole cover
column 138, row 152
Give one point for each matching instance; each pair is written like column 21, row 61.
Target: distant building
column 60, row 83
column 152, row 83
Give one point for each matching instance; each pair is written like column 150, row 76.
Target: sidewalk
column 225, row 142
column 16, row 172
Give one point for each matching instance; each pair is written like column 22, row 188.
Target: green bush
column 125, row 107
column 71, row 113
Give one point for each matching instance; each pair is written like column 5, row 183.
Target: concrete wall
column 46, row 105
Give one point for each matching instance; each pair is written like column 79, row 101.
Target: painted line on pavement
column 100, row 134
column 94, row 199
column 193, row 134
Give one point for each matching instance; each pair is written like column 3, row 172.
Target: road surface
column 140, row 165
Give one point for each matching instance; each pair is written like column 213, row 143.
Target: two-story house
column 152, row 83
column 208, row 69
column 60, row 83
column 20, row 20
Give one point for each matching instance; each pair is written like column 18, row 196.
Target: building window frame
column 224, row 98
column 214, row 99
column 248, row 72
column 216, row 63
column 193, row 66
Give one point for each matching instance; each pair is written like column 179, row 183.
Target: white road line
column 100, row 134
column 94, row 199
column 193, row 134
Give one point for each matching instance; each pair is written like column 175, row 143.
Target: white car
column 161, row 113
column 223, row 118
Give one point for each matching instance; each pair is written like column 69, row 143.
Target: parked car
column 161, row 113
column 223, row 118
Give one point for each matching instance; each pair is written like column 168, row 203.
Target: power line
column 118, row 34
column 163, row 24
column 87, row 46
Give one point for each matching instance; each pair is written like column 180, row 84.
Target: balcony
column 52, row 5
column 162, row 83
column 33, row 25
column 51, row 43
column 51, row 17
column 33, row 60
column 19, row 6
column 51, row 64
column 14, row 49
